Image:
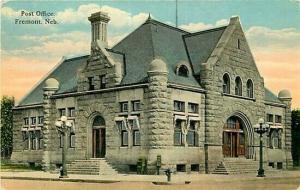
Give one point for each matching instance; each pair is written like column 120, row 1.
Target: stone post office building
column 193, row 98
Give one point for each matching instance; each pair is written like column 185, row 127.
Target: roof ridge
column 205, row 31
column 77, row 57
column 153, row 21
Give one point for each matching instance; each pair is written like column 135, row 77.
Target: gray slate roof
column 201, row 44
column 65, row 73
column 151, row 40
column 271, row 97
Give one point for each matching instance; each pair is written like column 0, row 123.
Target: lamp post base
column 65, row 176
column 261, row 173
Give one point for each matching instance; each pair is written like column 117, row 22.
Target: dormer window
column 102, row 81
column 91, row 83
column 183, row 71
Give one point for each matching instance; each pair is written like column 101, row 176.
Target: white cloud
column 193, row 27
column 263, row 37
column 119, row 18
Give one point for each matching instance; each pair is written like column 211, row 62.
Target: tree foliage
column 7, row 103
column 296, row 137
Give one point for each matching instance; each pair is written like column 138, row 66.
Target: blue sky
column 271, row 27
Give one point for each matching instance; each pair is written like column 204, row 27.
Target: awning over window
column 135, row 120
column 119, row 118
column 192, row 118
column 276, row 127
column 181, row 117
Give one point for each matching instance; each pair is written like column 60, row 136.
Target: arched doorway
column 98, row 137
column 234, row 138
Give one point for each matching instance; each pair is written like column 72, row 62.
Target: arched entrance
column 98, row 137
column 238, row 137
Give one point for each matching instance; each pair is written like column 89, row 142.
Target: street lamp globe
column 58, row 123
column 63, row 118
column 261, row 120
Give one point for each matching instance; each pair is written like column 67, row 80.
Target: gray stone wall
column 20, row 154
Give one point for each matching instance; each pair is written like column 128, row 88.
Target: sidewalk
column 176, row 178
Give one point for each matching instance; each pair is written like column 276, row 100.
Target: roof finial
column 149, row 16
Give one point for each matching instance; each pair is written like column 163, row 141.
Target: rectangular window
column 91, row 83
column 72, row 140
column 32, row 140
column 136, row 105
column 124, row 106
column 71, row 112
column 180, row 167
column 193, row 108
column 26, row 121
column 195, row 168
column 270, row 118
column 179, row 106
column 33, row 121
column 178, row 136
column 40, row 120
column 278, row 119
column 136, row 138
column 124, row 135
column 62, row 112
column 25, row 135
column 39, row 137
column 102, row 81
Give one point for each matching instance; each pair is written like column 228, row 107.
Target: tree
column 296, row 137
column 7, row 103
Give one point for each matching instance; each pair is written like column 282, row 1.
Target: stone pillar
column 285, row 97
column 51, row 86
column 159, row 113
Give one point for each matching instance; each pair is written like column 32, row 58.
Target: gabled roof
column 151, row 40
column 201, row 44
column 65, row 73
column 271, row 97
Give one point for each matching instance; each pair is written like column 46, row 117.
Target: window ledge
column 240, row 97
column 135, row 112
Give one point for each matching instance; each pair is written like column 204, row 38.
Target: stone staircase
column 93, row 166
column 240, row 165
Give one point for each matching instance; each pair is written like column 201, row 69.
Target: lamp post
column 261, row 129
column 63, row 126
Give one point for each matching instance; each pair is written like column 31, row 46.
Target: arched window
column 238, row 86
column 99, row 121
column 226, row 84
column 183, row 71
column 250, row 88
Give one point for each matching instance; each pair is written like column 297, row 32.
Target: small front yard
column 8, row 166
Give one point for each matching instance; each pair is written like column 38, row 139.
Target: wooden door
column 227, row 144
column 99, row 144
column 241, row 144
column 234, row 145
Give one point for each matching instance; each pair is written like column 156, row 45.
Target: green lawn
column 7, row 166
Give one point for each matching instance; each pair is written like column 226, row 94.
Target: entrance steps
column 239, row 166
column 93, row 166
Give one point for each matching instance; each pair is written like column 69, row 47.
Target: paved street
column 280, row 184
